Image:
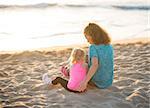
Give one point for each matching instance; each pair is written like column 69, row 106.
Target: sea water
column 28, row 24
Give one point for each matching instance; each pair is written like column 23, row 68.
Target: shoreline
column 59, row 48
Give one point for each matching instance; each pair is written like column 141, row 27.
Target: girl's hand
column 65, row 71
column 82, row 87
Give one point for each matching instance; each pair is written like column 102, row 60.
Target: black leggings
column 63, row 83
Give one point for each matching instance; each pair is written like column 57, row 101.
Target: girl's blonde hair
column 98, row 35
column 76, row 55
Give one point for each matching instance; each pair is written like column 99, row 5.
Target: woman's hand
column 82, row 86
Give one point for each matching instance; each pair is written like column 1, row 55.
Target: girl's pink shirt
column 77, row 74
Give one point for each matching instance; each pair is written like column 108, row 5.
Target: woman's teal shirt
column 103, row 77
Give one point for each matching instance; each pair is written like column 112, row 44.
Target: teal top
column 103, row 77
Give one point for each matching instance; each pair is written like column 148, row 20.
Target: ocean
column 28, row 24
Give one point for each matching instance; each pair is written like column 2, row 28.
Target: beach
column 21, row 85
column 36, row 36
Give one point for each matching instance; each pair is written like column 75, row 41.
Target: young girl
column 78, row 69
column 101, row 64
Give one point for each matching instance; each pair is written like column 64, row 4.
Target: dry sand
column 21, row 85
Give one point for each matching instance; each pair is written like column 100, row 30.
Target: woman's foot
column 46, row 79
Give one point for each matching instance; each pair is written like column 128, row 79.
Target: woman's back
column 104, row 75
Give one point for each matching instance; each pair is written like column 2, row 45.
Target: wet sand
column 21, row 85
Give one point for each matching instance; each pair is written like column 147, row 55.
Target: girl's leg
column 63, row 83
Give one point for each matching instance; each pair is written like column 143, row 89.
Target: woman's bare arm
column 90, row 74
column 92, row 69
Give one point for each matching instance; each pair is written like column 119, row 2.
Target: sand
column 21, row 85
